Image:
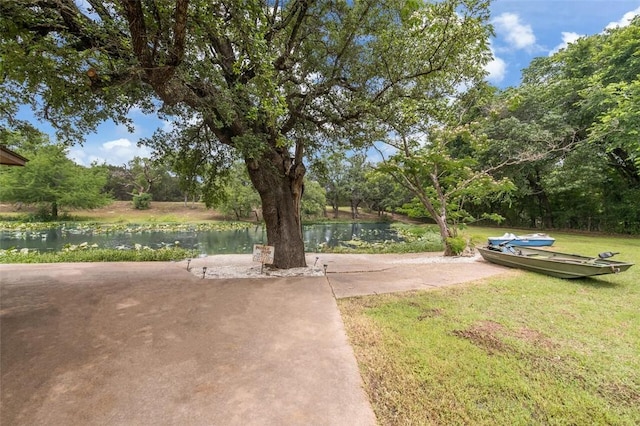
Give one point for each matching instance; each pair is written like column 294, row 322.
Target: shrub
column 457, row 244
column 142, row 201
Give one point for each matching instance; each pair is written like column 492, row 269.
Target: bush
column 457, row 244
column 142, row 201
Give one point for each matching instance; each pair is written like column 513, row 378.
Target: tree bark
column 279, row 181
column 445, row 233
column 544, row 205
column 354, row 209
column 439, row 217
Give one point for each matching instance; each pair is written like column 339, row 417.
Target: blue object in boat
column 528, row 240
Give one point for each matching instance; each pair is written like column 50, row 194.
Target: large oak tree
column 269, row 79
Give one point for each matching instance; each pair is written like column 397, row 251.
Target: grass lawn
column 124, row 212
column 523, row 349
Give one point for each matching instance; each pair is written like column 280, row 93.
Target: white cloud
column 625, row 20
column 135, row 110
column 168, row 126
column 116, row 152
column 122, row 129
column 567, row 38
column 121, row 151
column 497, row 70
column 84, row 156
column 516, row 33
column 118, row 144
column 78, row 155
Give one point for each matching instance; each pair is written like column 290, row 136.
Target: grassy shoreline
column 521, row 349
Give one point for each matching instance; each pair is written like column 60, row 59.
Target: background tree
column 443, row 181
column 527, row 128
column 196, row 157
column 576, row 105
column 167, row 187
column 269, row 80
column 51, row 180
column 142, row 175
column 612, row 96
column 118, row 183
column 238, row 197
column 356, row 184
column 383, row 193
column 142, row 179
column 314, row 199
column 330, row 170
column 343, row 175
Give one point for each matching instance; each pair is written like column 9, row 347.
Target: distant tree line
column 579, row 108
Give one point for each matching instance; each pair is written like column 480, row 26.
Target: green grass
column 523, row 348
column 97, row 255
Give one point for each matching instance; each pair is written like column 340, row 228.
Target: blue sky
column 524, row 29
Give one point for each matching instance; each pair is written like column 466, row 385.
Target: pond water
column 207, row 242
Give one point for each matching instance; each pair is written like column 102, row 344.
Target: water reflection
column 209, row 242
column 231, row 242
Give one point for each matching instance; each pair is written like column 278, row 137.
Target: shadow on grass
column 594, row 282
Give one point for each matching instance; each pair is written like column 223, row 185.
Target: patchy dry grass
column 528, row 349
column 124, row 212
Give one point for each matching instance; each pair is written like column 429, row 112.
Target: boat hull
column 561, row 265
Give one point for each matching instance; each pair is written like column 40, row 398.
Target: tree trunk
column 544, row 205
column 278, row 178
column 445, row 233
column 440, row 218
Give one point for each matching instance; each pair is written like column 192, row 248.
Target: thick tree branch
column 300, row 11
column 138, row 29
column 176, row 52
